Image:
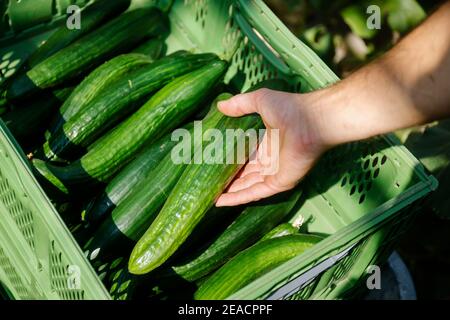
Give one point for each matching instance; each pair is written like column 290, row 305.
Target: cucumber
column 118, row 101
column 133, row 216
column 137, row 210
column 92, row 16
column 163, row 112
column 124, row 182
column 192, row 197
column 252, row 263
column 281, row 230
column 114, row 37
column 93, row 85
column 104, row 76
column 253, row 223
column 28, row 122
column 154, row 48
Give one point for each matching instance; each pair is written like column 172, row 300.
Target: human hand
column 300, row 144
column 384, row 96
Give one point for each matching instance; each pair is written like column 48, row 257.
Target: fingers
column 240, row 104
column 249, row 168
column 245, row 182
column 256, row 192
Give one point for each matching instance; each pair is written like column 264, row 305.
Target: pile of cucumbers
column 94, row 109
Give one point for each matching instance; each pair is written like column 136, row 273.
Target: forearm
column 408, row 86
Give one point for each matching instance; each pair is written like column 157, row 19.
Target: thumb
column 239, row 105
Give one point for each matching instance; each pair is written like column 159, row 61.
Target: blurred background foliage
column 337, row 31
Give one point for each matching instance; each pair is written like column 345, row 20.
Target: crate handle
column 261, row 44
column 300, row 59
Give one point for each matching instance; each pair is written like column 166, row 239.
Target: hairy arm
column 409, row 85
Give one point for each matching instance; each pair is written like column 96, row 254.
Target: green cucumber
column 253, row 263
column 192, row 197
column 104, row 76
column 91, row 16
column 169, row 107
column 281, row 230
column 28, row 122
column 114, row 37
column 253, row 223
column 95, row 83
column 117, row 102
column 124, row 182
column 154, row 48
column 130, row 219
column 135, row 212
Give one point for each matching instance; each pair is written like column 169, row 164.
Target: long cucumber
column 137, row 210
column 127, row 180
column 121, row 99
column 154, row 48
column 252, row 263
column 95, row 83
column 282, row 230
column 114, row 37
column 166, row 110
column 253, row 223
column 91, row 17
column 192, row 197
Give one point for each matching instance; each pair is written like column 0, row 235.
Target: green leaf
column 320, row 40
column 403, row 15
column 355, row 17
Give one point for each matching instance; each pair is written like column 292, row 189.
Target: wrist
column 324, row 108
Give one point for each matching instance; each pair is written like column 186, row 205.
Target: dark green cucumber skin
column 28, row 122
column 113, row 38
column 123, row 285
column 252, row 224
column 104, row 136
column 119, row 101
column 169, row 107
column 154, row 48
column 252, row 263
column 124, row 182
column 92, row 16
column 192, row 197
column 95, row 83
column 135, row 213
column 281, row 230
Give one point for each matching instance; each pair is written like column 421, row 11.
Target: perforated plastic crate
column 359, row 194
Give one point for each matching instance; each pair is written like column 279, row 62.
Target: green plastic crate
column 359, row 194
